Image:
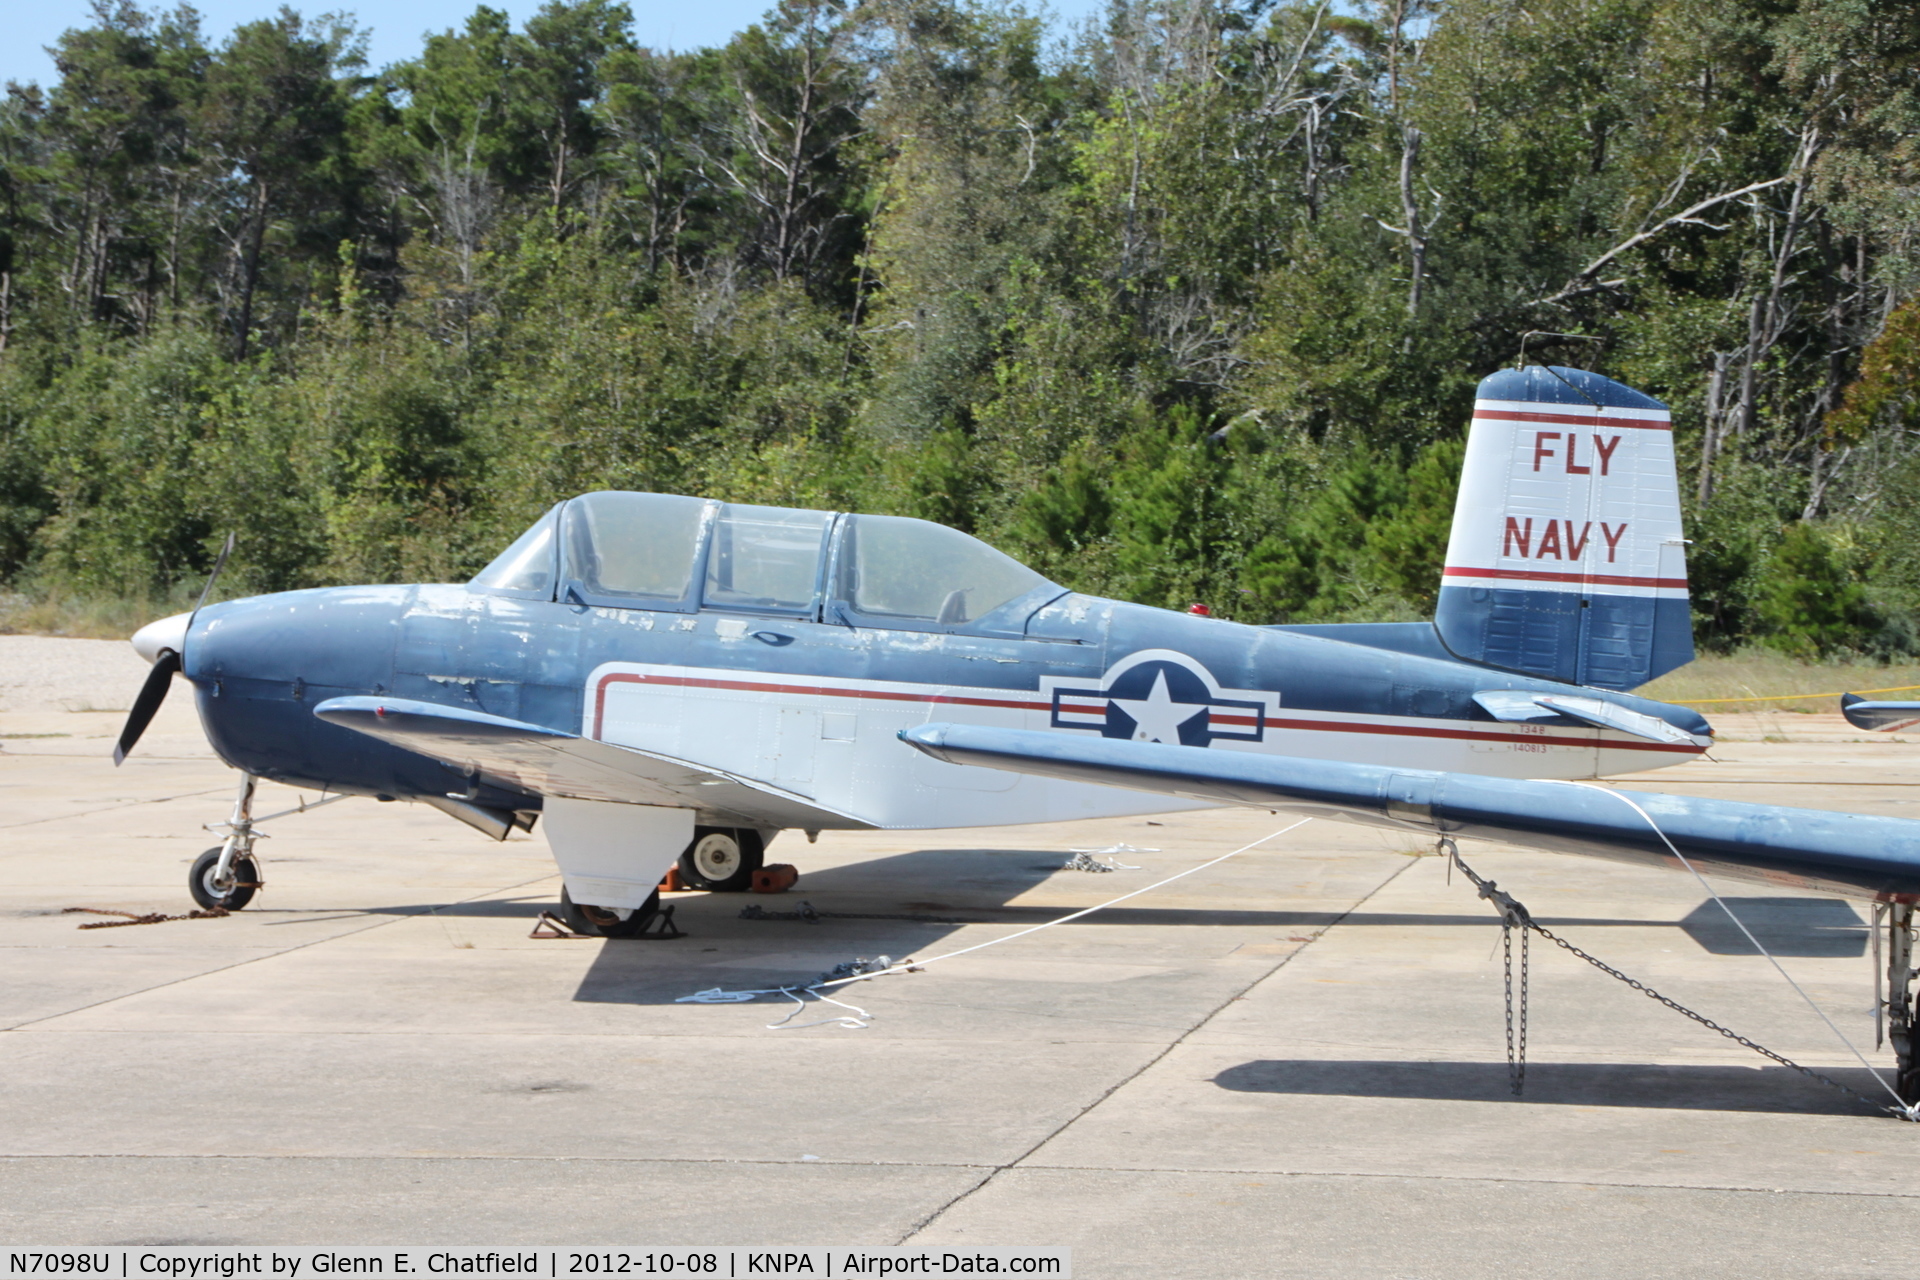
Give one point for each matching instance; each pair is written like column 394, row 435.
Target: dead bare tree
column 1586, row 281
column 1767, row 318
column 781, row 161
column 464, row 206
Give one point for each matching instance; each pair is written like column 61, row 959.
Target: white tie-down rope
column 860, row 1018
column 1909, row 1111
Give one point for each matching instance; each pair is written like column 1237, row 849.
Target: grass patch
column 1755, row 673
column 85, row 617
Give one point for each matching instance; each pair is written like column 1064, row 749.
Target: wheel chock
column 550, row 925
column 658, row 928
column 661, row 927
column 776, row 877
column 671, row 882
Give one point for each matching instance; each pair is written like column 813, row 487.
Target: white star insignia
column 1158, row 718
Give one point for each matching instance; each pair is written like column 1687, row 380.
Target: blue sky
column 29, row 25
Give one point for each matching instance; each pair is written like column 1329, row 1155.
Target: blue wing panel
column 548, row 762
column 1849, row 854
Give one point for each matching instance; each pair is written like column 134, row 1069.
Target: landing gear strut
column 1898, row 1002
column 228, row 876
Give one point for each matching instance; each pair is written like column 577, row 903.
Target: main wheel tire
column 1907, row 1081
column 246, row 880
column 722, row 859
column 603, row 922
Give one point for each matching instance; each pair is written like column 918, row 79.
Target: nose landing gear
column 228, row 875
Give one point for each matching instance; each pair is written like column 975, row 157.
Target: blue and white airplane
column 664, row 679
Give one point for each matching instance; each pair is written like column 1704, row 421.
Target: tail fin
column 1566, row 559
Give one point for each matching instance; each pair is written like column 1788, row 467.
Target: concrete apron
column 1293, row 1063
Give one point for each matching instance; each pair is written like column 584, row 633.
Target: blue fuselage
column 261, row 664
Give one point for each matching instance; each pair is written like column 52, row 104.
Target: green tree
column 275, row 111
column 1807, row 601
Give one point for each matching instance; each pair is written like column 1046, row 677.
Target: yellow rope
column 1790, row 697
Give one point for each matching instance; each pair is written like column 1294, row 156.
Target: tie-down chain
column 1514, row 916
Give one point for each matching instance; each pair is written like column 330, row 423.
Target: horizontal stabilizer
column 1849, row 854
column 1515, row 706
column 1605, row 715
column 548, row 762
column 1883, row 716
column 1519, row 706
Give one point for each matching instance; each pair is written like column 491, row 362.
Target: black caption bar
column 243, row 1262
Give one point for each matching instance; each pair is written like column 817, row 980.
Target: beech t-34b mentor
column 662, row 678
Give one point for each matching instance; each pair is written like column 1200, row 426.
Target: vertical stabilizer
column 1566, row 559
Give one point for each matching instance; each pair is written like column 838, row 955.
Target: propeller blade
column 212, row 578
column 152, row 694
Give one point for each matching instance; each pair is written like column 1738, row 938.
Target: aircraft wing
column 1862, row 714
column 549, row 762
column 1844, row 853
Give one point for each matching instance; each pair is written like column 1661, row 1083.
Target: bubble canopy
column 667, row 552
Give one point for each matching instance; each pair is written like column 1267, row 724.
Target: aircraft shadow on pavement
column 896, row 906
column 1573, row 1084
column 906, row 905
column 1803, row 927
column 1784, row 926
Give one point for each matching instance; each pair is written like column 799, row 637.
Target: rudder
column 1566, row 559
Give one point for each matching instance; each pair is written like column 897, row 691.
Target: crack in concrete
column 112, row 808
column 1020, row 1160
column 258, row 959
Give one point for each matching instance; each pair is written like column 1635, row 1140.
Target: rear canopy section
column 1566, row 559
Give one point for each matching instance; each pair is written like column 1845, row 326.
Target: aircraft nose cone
column 167, row 633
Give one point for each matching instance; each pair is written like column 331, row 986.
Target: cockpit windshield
column 638, row 546
column 526, row 567
column 915, row 571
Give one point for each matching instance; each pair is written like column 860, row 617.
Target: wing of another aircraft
column 1850, row 854
column 1884, row 716
column 549, row 762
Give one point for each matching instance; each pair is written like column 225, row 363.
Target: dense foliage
column 1188, row 307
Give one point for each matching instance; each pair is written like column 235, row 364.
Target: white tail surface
column 1567, row 559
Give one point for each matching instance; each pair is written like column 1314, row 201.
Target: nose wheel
column 231, row 892
column 227, row 876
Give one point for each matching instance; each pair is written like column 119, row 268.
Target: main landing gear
column 228, row 875
column 1897, row 1001
column 718, row 859
column 648, row 920
column 722, row 859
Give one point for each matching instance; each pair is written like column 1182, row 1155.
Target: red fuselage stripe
column 1573, row 419
column 1540, row 575
column 1475, row 735
column 888, row 695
